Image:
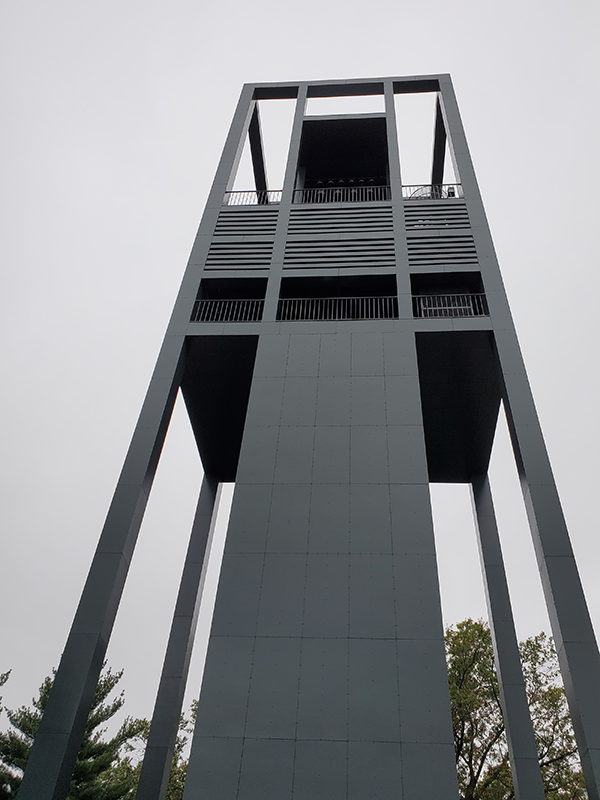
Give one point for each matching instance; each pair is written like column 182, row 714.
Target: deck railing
column 227, row 310
column 436, row 191
column 450, row 305
column 343, row 194
column 346, row 193
column 337, row 308
column 252, row 198
column 425, row 306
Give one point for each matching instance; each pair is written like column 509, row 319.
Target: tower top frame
column 252, row 368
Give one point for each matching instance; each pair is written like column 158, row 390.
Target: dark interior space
column 232, row 289
column 339, row 286
column 460, row 397
column 446, row 283
column 343, row 150
column 216, row 386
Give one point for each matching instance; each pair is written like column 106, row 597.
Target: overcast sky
column 114, row 114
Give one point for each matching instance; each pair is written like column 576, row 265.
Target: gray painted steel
column 527, row 778
column 156, row 767
column 325, row 674
column 327, row 631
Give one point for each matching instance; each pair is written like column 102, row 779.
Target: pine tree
column 4, row 676
column 128, row 767
column 93, row 776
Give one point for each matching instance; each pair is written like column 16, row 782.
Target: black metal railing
column 450, row 305
column 337, row 308
column 436, row 191
column 252, row 198
column 347, row 193
column 227, row 310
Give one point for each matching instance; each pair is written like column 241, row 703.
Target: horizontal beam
column 357, row 87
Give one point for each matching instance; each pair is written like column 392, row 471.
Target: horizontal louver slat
column 439, row 250
column 306, row 221
column 352, row 252
column 434, row 215
column 239, row 222
column 233, row 255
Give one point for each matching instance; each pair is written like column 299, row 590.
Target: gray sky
column 114, row 115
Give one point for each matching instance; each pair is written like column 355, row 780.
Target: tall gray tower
column 340, row 344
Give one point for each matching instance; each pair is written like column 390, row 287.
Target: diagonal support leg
column 57, row 742
column 156, row 768
column 527, row 778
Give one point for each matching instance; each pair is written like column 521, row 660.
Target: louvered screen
column 351, row 220
column 241, row 221
column 436, row 215
column 239, row 255
column 428, row 251
column 335, row 253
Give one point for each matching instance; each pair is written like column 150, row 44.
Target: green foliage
column 479, row 739
column 479, row 736
column 555, row 739
column 93, row 778
column 4, row 676
column 127, row 769
column 105, row 770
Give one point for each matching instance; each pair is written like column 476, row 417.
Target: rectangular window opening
column 460, row 578
column 450, row 177
column 527, row 598
column 448, row 294
column 361, row 104
column 166, row 530
column 260, row 172
column 415, row 122
column 244, row 176
column 343, row 160
column 338, row 298
column 230, row 300
column 209, row 594
column 276, row 119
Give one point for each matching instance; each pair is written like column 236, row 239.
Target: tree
column 105, row 770
column 93, row 776
column 128, row 767
column 479, row 736
column 4, row 676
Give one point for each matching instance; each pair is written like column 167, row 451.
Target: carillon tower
column 340, row 344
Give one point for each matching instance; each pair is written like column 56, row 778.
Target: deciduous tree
column 479, row 736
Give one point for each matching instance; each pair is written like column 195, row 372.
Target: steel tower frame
column 325, row 673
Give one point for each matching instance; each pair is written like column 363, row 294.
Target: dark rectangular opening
column 338, row 297
column 446, row 283
column 216, row 386
column 232, row 289
column 448, row 294
column 344, row 159
column 460, row 398
column 339, row 286
column 230, row 300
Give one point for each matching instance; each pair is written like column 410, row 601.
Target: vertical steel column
column 287, row 199
column 569, row 616
column 57, row 742
column 400, row 243
column 426, row 736
column 258, row 156
column 158, row 758
column 439, row 149
column 525, row 768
